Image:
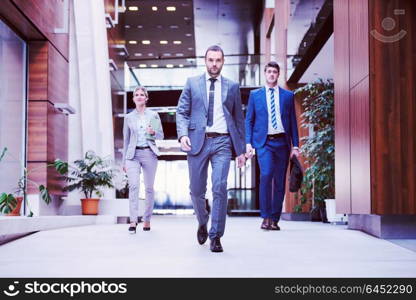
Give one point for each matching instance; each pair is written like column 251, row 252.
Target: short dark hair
column 272, row 64
column 214, row 48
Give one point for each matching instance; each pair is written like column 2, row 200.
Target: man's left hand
column 295, row 152
column 241, row 160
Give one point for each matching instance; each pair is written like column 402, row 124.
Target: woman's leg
column 133, row 174
column 149, row 164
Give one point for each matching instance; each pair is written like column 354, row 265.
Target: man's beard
column 214, row 73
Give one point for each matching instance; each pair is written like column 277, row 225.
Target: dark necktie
column 211, row 102
column 273, row 108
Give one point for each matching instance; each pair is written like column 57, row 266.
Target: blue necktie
column 211, row 102
column 273, row 108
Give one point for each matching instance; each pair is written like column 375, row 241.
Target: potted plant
column 88, row 175
column 10, row 203
column 319, row 147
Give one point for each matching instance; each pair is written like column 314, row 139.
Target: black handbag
column 296, row 174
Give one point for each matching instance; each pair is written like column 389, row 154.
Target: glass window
column 12, row 107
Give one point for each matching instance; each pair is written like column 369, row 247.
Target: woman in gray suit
column 141, row 128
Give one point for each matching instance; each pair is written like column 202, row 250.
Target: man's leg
column 280, row 161
column 265, row 158
column 220, row 161
column 198, row 173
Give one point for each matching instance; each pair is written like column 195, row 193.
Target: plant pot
column 89, row 206
column 16, row 210
column 331, row 212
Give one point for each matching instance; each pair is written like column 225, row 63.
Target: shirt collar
column 276, row 88
column 207, row 77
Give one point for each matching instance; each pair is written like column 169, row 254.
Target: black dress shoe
column 216, row 245
column 202, row 234
column 265, row 224
column 146, row 228
column 207, row 207
column 132, row 229
column 274, row 226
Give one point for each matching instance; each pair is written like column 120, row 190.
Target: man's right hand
column 185, row 143
column 249, row 151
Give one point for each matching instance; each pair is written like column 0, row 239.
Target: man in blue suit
column 210, row 126
column 271, row 129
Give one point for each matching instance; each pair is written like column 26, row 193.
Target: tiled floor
column 170, row 249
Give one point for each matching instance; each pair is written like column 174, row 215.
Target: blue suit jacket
column 257, row 118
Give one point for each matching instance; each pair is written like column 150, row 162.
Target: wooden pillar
column 375, row 71
column 281, row 19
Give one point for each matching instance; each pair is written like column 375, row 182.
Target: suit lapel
column 263, row 98
column 203, row 90
column 281, row 103
column 224, row 89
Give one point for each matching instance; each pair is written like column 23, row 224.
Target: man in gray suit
column 210, row 126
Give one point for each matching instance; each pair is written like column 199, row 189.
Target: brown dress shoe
column 265, row 224
column 274, row 226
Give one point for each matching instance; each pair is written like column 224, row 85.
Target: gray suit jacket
column 192, row 112
column 130, row 133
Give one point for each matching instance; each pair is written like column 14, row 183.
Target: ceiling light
column 163, row 42
column 150, row 54
column 145, row 42
column 137, row 54
column 169, row 66
column 139, row 26
column 167, row 54
column 179, row 54
column 133, row 42
column 154, row 66
column 174, row 26
column 181, row 66
column 154, row 8
column 126, row 26
column 171, row 8
column 188, row 34
column 133, row 8
column 190, row 48
column 142, row 66
column 177, row 42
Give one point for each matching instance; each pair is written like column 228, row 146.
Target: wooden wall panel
column 16, row 20
column 38, row 174
column 360, row 149
column 58, row 76
column 37, row 131
column 359, row 36
column 393, row 109
column 342, row 107
column 110, row 7
column 38, row 70
column 47, row 15
column 57, row 135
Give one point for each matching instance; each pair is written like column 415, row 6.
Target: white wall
column 91, row 128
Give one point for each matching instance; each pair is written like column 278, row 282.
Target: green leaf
column 44, row 194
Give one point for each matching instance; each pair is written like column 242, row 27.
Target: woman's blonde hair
column 141, row 88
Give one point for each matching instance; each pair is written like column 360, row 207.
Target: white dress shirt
column 280, row 128
column 219, row 124
column 142, row 124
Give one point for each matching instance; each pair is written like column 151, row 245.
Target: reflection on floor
column 170, row 249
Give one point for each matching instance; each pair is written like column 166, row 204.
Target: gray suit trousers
column 145, row 160
column 218, row 152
